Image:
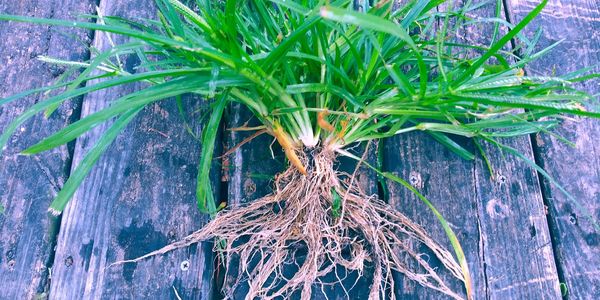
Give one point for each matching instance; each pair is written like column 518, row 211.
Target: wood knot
column 249, row 187
column 496, row 209
column 69, row 261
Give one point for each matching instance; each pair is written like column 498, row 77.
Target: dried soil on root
column 266, row 234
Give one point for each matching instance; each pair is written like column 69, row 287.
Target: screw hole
column 185, row 265
column 573, row 219
column 501, row 179
column 11, row 264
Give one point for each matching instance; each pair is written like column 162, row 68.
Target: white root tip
column 54, row 212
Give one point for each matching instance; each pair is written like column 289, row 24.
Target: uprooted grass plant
column 320, row 76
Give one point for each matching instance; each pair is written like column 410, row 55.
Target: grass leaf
column 85, row 166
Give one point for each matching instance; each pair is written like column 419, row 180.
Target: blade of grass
column 90, row 159
column 381, row 25
column 498, row 45
column 43, row 105
column 143, row 97
column 204, row 195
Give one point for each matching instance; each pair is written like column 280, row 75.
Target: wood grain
column 500, row 223
column 141, row 194
column 138, row 198
column 576, row 242
column 28, row 184
column 248, row 172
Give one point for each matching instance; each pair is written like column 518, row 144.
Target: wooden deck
column 523, row 238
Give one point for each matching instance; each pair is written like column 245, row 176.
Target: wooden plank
column 500, row 223
column 138, row 198
column 28, row 184
column 249, row 170
column 576, row 243
column 249, row 173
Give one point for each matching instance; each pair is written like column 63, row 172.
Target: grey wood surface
column 246, row 181
column 500, row 222
column 576, row 243
column 139, row 197
column 28, row 184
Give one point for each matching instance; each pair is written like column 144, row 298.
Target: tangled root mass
column 298, row 219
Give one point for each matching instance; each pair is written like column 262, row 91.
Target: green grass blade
column 90, row 159
column 452, row 145
column 52, row 101
column 122, row 30
column 288, row 43
column 498, row 45
column 381, row 25
column 204, row 195
column 140, row 98
column 190, row 15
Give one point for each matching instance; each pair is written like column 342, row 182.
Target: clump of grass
column 320, row 76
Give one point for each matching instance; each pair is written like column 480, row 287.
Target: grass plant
column 320, row 76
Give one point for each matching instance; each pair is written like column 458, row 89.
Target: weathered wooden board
column 500, row 222
column 248, row 171
column 576, row 242
column 137, row 201
column 250, row 168
column 28, row 184
column 138, row 198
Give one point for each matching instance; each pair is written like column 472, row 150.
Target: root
column 265, row 235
